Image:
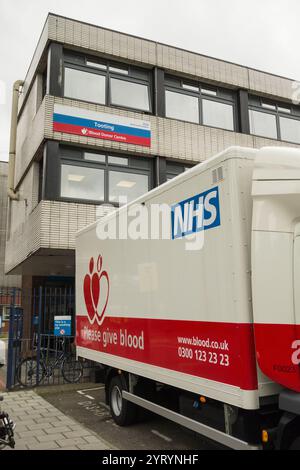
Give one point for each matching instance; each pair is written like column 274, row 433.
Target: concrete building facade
column 7, row 283
column 103, row 114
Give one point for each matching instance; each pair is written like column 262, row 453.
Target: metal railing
column 39, row 352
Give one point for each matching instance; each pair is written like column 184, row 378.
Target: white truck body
column 184, row 317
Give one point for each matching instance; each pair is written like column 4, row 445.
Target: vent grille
column 217, row 174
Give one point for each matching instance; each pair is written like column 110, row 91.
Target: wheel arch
column 288, row 430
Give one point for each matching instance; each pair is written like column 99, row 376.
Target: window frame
column 135, row 75
column 178, row 168
column 123, row 170
column 291, row 117
column 256, row 104
column 264, row 111
column 125, row 78
column 83, row 69
column 217, row 99
column 5, row 313
column 182, row 92
column 77, row 159
column 175, row 84
column 79, row 165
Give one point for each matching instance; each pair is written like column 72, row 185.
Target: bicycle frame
column 49, row 367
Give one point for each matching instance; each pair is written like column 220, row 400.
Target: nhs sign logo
column 200, row 212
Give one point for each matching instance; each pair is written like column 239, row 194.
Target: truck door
column 296, row 343
column 275, row 251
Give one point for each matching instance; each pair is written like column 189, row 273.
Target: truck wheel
column 295, row 444
column 122, row 411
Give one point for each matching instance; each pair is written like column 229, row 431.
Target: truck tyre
column 123, row 412
column 295, row 444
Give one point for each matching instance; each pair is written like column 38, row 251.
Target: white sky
column 258, row 33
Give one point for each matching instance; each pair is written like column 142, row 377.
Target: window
column 118, row 70
column 99, row 177
column 129, row 94
column 174, row 169
column 186, row 86
column 217, row 114
column 84, row 85
column 97, row 65
column 6, row 314
column 117, row 160
column 125, row 187
column 207, row 91
column 282, row 109
column 269, row 119
column 181, row 106
column 268, row 106
column 190, row 101
column 263, row 124
column 89, row 79
column 94, row 157
column 79, row 182
column 290, row 129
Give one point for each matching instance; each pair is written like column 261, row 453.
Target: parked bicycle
column 7, row 427
column 33, row 370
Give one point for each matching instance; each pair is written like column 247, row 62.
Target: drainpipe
column 12, row 194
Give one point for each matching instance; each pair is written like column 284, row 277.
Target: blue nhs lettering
column 200, row 212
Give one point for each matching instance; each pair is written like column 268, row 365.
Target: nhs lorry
column 189, row 299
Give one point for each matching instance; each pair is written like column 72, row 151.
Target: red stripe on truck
column 223, row 352
column 278, row 353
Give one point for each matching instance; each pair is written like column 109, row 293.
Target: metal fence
column 41, row 339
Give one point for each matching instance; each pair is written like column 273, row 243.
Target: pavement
column 76, row 417
column 85, row 403
column 41, row 426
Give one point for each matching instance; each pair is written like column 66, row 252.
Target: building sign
column 62, row 325
column 71, row 120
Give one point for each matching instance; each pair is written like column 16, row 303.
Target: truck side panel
column 176, row 315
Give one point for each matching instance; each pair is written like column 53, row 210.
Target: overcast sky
column 259, row 33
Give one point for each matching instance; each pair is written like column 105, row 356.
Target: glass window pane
column 186, row 86
column 263, row 124
column 181, row 106
column 81, row 182
column 269, row 106
column 282, row 109
column 6, row 314
column 94, row 157
column 129, row 94
column 117, row 160
column 290, row 130
column 207, row 91
column 84, row 85
column 218, row 114
column 98, row 65
column 118, row 70
column 125, row 187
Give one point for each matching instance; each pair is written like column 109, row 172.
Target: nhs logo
column 200, row 212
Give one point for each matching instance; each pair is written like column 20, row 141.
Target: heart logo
column 96, row 291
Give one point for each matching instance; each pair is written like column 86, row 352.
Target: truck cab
column 275, row 254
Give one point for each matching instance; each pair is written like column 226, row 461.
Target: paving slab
column 41, row 426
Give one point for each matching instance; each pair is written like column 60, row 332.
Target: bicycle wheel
column 71, row 369
column 28, row 372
